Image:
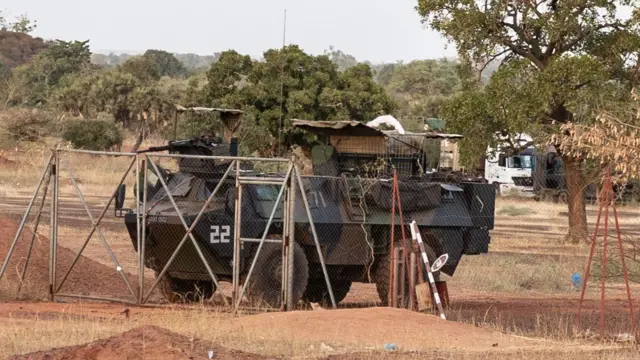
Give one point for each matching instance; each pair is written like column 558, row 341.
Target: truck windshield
column 520, row 162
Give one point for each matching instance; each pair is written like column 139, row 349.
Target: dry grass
column 521, row 260
column 503, row 272
column 27, row 333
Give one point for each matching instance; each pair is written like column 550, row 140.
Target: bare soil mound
column 148, row 342
column 88, row 277
column 378, row 326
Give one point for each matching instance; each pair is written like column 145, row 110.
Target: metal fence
column 259, row 233
column 142, row 228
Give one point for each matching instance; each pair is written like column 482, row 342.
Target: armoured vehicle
column 349, row 190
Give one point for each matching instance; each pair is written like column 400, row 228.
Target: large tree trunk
column 577, row 207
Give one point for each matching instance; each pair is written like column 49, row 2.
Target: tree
column 22, row 24
column 142, row 68
column 289, row 84
column 559, row 59
column 224, row 79
column 342, row 60
column 420, row 88
column 362, row 99
column 130, row 102
column 45, row 71
column 166, row 63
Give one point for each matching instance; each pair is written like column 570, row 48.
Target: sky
column 373, row 30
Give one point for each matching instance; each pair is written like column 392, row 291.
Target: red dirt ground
column 376, row 326
column 149, row 342
column 369, row 328
column 87, row 278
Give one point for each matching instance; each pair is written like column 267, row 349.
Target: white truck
column 511, row 174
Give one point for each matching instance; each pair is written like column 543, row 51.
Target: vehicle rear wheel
column 317, row 290
column 181, row 291
column 383, row 285
column 265, row 285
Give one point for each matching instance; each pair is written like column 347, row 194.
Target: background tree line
column 138, row 93
column 531, row 67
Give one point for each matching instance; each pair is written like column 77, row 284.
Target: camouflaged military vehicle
column 348, row 186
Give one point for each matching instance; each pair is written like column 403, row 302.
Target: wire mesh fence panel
column 94, row 256
column 192, row 225
column 24, row 239
column 179, row 263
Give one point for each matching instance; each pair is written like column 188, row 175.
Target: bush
column 93, row 134
column 17, row 125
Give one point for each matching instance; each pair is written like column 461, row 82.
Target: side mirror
column 120, row 195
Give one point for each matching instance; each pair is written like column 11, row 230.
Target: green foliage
column 384, row 73
column 93, row 134
column 62, row 58
column 420, row 88
column 291, row 84
column 561, row 61
column 191, row 62
column 224, row 79
column 142, row 68
column 122, row 95
column 44, row 73
column 166, row 64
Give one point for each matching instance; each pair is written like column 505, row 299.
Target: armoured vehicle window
column 267, row 192
column 179, row 185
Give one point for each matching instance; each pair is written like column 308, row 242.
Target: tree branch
column 492, row 58
column 583, row 34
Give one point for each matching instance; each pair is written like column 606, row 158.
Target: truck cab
column 511, row 172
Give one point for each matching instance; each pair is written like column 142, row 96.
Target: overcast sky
column 374, row 30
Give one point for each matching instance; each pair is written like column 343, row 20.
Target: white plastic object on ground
column 389, row 120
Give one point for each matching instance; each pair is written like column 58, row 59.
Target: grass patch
column 512, row 272
column 512, row 210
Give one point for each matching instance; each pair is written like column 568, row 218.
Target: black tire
column 317, row 291
column 265, row 284
column 183, row 291
column 382, row 275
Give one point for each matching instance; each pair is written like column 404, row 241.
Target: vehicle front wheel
column 317, row 291
column 265, row 284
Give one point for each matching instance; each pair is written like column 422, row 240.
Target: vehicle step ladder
column 355, row 194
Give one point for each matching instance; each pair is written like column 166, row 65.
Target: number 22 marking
column 217, row 236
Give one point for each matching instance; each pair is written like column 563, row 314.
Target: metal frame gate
column 288, row 190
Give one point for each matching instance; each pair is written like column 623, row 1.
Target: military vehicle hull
column 453, row 219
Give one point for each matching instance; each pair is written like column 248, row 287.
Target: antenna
column 284, row 35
